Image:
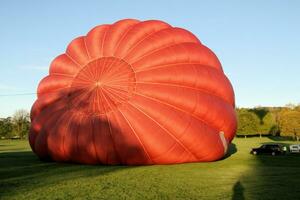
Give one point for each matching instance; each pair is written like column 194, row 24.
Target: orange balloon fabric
column 134, row 93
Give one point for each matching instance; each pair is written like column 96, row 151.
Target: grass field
column 239, row 176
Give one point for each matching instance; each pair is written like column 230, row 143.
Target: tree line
column 276, row 121
column 16, row 126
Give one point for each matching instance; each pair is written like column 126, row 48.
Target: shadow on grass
column 238, row 191
column 278, row 176
column 276, row 138
column 24, row 170
column 270, row 177
column 232, row 149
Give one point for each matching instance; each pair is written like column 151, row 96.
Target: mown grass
column 239, row 176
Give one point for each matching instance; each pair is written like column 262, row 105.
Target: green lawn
column 239, row 176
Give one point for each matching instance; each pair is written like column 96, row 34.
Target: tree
column 275, row 130
column 297, row 108
column 268, row 124
column 248, row 122
column 290, row 123
column 261, row 112
column 6, row 127
column 21, row 122
column 267, row 120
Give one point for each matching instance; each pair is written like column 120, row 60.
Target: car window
column 272, row 146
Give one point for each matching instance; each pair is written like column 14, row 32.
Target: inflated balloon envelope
column 135, row 93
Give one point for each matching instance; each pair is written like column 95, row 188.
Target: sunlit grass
column 241, row 175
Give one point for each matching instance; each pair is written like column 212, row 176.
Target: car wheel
column 273, row 153
column 254, row 152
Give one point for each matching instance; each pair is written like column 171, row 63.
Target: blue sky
column 257, row 42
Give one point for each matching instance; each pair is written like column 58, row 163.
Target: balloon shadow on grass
column 24, row 169
column 232, row 149
column 19, row 170
column 270, row 177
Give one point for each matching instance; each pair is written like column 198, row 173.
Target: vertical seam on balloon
column 106, row 155
column 110, row 130
column 85, row 71
column 103, row 65
column 119, row 74
column 162, row 127
column 98, row 98
column 64, row 135
column 123, row 36
column 94, row 99
column 168, row 151
column 123, row 99
column 103, row 40
column 87, row 51
column 144, row 38
column 110, row 66
column 48, row 152
column 55, row 129
column 172, row 147
column 215, row 130
column 76, row 133
column 74, row 61
column 165, row 129
column 197, row 75
column 84, row 76
column 38, row 135
column 120, row 92
column 119, row 157
column 95, row 149
column 136, row 135
column 109, row 100
column 81, row 95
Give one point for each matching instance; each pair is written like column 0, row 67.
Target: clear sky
column 257, row 42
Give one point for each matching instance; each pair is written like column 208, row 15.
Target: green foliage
column 18, row 125
column 21, row 123
column 248, row 122
column 283, row 121
column 6, row 127
column 268, row 124
column 260, row 113
column 290, row 123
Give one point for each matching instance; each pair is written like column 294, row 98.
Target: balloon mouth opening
column 224, row 141
column 102, row 86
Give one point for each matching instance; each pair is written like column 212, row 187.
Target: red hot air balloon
column 135, row 93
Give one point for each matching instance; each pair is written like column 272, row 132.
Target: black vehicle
column 272, row 149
